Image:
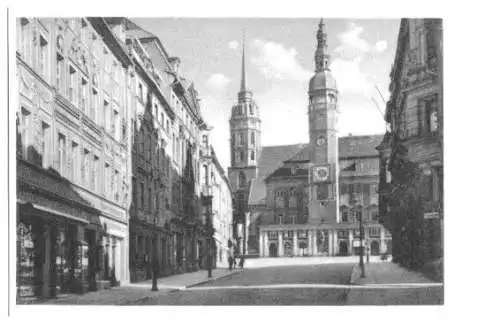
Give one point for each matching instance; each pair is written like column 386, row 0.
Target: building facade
column 414, row 115
column 218, row 210
column 294, row 206
column 73, row 186
column 166, row 228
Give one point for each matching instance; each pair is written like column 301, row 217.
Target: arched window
column 252, row 155
column 242, row 179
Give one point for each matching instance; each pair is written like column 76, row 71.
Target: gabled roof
column 359, row 146
column 270, row 159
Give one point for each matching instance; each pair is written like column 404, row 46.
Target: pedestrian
column 242, row 262
column 230, row 262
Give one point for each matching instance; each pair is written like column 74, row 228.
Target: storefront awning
column 52, row 211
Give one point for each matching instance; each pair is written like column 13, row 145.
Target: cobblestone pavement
column 396, row 296
column 251, row 287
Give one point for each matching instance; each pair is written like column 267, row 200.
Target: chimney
column 175, row 62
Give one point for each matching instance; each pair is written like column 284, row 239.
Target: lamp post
column 361, row 247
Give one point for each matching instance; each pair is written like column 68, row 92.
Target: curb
column 354, row 280
column 209, row 280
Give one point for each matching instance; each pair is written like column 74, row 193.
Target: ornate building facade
column 73, row 186
column 166, row 229
column 293, row 206
column 414, row 115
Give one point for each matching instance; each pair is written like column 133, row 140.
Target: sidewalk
column 387, row 283
column 129, row 293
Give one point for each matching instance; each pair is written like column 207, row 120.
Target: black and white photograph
column 189, row 160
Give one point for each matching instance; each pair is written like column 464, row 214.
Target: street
column 282, row 285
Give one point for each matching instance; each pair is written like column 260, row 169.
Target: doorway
column 375, row 248
column 273, row 250
column 343, row 249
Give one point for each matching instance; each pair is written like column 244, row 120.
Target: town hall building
column 304, row 199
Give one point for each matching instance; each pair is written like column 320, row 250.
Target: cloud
column 381, row 45
column 218, row 81
column 276, row 62
column 353, row 46
column 350, row 79
column 233, row 44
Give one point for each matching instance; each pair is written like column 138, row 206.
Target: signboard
column 356, row 243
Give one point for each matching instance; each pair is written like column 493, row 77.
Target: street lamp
column 361, row 247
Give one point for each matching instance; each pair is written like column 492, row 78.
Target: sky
column 280, row 61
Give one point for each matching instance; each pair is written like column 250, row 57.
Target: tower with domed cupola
column 322, row 112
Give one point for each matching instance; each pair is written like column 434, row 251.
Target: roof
column 270, row 159
column 359, row 146
column 270, row 162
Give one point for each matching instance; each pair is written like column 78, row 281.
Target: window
column 357, row 215
column 374, row 231
column 205, row 141
column 74, row 161
column 141, row 93
column 107, row 179
column 345, row 215
column 24, row 131
column 94, row 104
column 25, row 39
column 106, row 113
column 242, row 156
column 72, row 84
column 59, row 72
column 252, row 155
column 242, row 180
column 280, row 218
column 45, row 145
column 61, row 158
column 240, row 140
column 238, row 156
column 322, row 192
column 43, row 57
column 116, row 125
column 83, row 96
column 116, row 180
column 85, row 167
column 252, row 138
column 95, row 174
column 150, row 199
column 374, row 215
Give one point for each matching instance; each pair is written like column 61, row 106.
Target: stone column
column 383, row 244
column 330, row 242
column 280, row 244
column 295, row 243
column 315, row 246
column 261, row 244
column 46, row 272
column 335, row 243
column 309, row 242
column 266, row 245
column 349, row 246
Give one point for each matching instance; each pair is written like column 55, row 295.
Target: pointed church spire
column 321, row 57
column 243, row 68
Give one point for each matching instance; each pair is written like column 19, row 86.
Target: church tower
column 245, row 128
column 323, row 140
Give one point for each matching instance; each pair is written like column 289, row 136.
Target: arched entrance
column 343, row 248
column 273, row 250
column 375, row 248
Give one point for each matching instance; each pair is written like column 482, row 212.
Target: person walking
column 242, row 262
column 230, row 262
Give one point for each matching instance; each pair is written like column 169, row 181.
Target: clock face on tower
column 320, row 140
column 321, row 173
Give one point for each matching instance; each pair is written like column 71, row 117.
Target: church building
column 304, row 199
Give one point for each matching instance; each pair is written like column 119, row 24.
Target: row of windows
column 239, row 139
column 239, row 156
column 72, row 160
column 427, row 121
